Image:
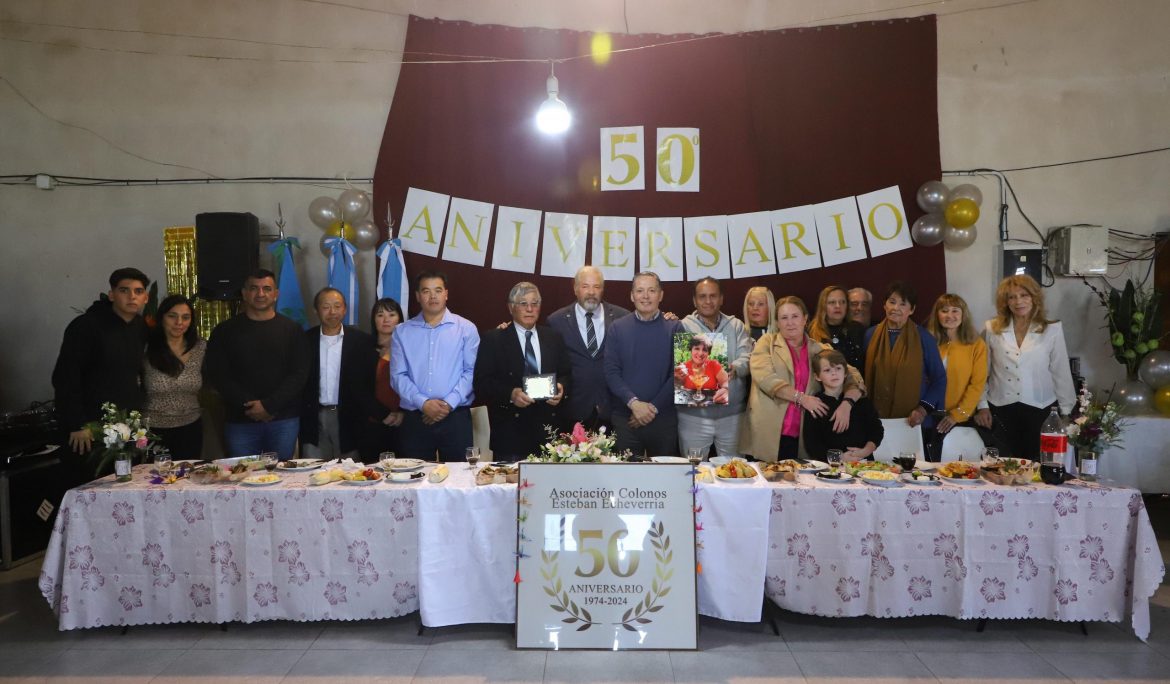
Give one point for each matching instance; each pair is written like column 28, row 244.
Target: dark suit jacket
column 356, row 402
column 589, row 388
column 499, row 367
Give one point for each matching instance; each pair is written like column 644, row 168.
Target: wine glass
column 269, row 459
column 472, row 454
column 990, row 454
column 164, row 464
column 906, row 460
column 833, row 457
column 695, row 455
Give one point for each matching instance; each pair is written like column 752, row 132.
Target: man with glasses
column 512, row 373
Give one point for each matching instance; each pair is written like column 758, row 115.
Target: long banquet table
column 135, row 553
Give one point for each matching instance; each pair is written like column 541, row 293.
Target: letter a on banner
column 795, row 233
column 517, row 232
column 660, row 247
column 884, row 220
column 839, row 231
column 750, row 236
column 613, row 246
column 565, row 237
column 423, row 215
column 705, row 239
column 469, row 225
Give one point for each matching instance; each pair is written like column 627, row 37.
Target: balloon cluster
column 345, row 217
column 1152, row 387
column 950, row 214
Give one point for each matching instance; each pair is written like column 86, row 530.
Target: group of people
column 795, row 386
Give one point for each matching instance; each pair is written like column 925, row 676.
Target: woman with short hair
column 903, row 370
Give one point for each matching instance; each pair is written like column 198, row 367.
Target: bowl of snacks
column 959, row 472
column 204, row 474
column 1010, row 471
column 735, row 471
column 781, row 470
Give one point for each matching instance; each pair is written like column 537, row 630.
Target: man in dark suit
column 583, row 325
column 339, row 395
column 506, row 357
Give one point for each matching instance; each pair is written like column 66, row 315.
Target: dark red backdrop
column 787, row 118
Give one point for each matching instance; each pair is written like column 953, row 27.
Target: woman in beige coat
column 784, row 386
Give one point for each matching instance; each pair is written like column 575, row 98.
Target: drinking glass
column 269, row 460
column 990, row 454
column 472, row 454
column 906, row 460
column 833, row 457
column 695, row 455
column 164, row 464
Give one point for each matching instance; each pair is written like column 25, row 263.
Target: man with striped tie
column 583, row 325
column 512, row 365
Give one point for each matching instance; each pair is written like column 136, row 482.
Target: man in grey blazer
column 582, row 325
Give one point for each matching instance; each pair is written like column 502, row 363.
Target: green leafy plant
column 1131, row 315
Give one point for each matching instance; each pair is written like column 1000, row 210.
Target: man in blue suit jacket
column 588, row 402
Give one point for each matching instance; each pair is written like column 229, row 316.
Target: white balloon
column 958, row 238
column 1134, row 398
column 355, row 204
column 967, row 191
column 933, row 196
column 324, row 247
column 1154, row 369
column 365, row 234
column 928, row 230
column 324, row 212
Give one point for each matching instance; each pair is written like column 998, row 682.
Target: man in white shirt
column 583, row 326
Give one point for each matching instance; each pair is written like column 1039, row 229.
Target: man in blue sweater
column 639, row 365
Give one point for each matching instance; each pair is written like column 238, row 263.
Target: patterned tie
column 590, row 334
column 530, row 365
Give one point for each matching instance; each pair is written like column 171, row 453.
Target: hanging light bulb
column 553, row 116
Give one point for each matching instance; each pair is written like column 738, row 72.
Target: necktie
column 530, row 364
column 590, row 334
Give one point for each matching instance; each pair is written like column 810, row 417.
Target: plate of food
column 669, row 459
column 811, row 466
column 253, row 462
column 960, row 473
column 401, row 465
column 502, row 474
column 406, row 478
column 1010, row 471
column 362, row 478
column 261, row 480
column 781, row 470
column 920, row 478
column 857, row 468
column 295, row 465
column 881, row 478
column 834, row 476
column 735, row 472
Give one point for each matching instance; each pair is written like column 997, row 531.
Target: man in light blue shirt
column 432, row 364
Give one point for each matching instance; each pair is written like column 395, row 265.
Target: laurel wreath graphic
column 659, row 587
column 563, row 604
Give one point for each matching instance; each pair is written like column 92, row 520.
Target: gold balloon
column 962, row 213
column 1162, row 400
column 340, row 229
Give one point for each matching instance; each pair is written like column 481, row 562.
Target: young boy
column 865, row 428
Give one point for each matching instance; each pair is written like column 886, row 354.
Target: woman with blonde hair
column 759, row 312
column 784, row 387
column 1029, row 366
column 831, row 325
column 964, row 354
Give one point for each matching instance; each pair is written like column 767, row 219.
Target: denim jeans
column 245, row 439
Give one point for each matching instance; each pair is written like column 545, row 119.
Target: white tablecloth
column 982, row 551
column 1143, row 460
column 134, row 554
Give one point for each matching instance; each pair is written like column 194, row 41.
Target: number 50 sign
column 606, row 556
column 676, row 162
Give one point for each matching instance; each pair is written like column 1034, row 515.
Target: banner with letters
column 606, row 556
column 677, row 248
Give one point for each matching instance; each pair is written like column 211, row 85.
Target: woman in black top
column 831, row 325
column 865, row 428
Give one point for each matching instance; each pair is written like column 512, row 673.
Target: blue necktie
column 530, row 365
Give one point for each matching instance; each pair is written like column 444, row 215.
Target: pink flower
column 579, row 436
column 141, row 443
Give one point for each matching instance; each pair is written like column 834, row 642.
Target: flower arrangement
column 121, row 433
column 1099, row 426
column 1132, row 317
column 578, row 446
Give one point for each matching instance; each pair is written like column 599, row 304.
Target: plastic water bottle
column 1053, row 439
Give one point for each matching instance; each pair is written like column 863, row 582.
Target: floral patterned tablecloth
column 134, row 553
column 980, row 551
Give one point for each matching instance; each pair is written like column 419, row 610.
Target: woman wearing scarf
column 903, row 370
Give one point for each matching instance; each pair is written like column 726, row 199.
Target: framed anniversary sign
column 606, row 556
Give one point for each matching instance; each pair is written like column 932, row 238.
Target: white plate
column 409, row 480
column 251, row 481
column 401, row 465
column 813, row 466
column 229, row 462
column 669, row 459
column 361, row 483
column 845, row 478
column 881, row 483
column 962, row 481
column 909, row 479
column 305, row 464
column 723, row 460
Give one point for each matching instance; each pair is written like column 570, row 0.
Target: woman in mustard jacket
column 964, row 354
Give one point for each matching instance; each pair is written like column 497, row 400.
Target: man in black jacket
column 339, row 394
column 506, row 358
column 101, row 358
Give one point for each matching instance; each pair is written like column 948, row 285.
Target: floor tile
column 372, row 635
column 746, row 667
column 1104, row 637
column 847, row 667
column 116, row 666
column 608, row 667
column 1133, row 668
column 926, row 635
column 965, row 666
column 453, row 666
column 828, row 634
column 720, row 635
column 355, row 667
column 486, row 636
column 180, row 636
column 263, row 635
column 256, row 666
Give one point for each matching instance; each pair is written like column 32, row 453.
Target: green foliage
column 1132, row 318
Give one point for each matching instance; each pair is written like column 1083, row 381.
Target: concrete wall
column 160, row 89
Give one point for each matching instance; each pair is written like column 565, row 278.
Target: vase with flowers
column 126, row 439
column 1098, row 427
column 578, row 446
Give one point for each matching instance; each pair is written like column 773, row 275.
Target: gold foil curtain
column 183, row 278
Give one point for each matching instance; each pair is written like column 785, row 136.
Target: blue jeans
column 245, row 439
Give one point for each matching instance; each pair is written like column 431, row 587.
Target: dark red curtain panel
column 787, row 118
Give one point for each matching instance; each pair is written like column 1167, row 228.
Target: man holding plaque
column 521, row 372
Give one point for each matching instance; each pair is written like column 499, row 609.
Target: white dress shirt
column 330, row 355
column 1036, row 373
column 520, row 330
column 598, row 324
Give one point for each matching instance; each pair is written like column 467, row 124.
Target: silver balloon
column 365, row 234
column 324, row 248
column 958, row 238
column 933, row 196
column 967, row 191
column 354, row 204
column 1134, row 398
column 1154, row 370
column 324, row 212
column 928, row 230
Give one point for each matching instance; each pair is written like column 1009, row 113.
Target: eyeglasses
column 527, row 305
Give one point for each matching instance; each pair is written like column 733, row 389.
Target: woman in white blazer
column 1029, row 371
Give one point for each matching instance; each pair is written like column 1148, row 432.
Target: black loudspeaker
column 227, row 249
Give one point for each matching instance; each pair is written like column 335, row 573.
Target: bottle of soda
column 1053, row 439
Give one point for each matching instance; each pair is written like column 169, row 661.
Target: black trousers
column 1018, row 425
column 450, row 436
column 659, row 438
column 185, row 441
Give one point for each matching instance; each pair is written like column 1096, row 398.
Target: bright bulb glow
column 553, row 116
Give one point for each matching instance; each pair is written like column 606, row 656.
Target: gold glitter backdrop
column 183, row 278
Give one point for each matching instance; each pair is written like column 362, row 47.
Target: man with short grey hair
column 860, row 305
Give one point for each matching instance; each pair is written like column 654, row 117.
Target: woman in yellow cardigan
column 964, row 354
